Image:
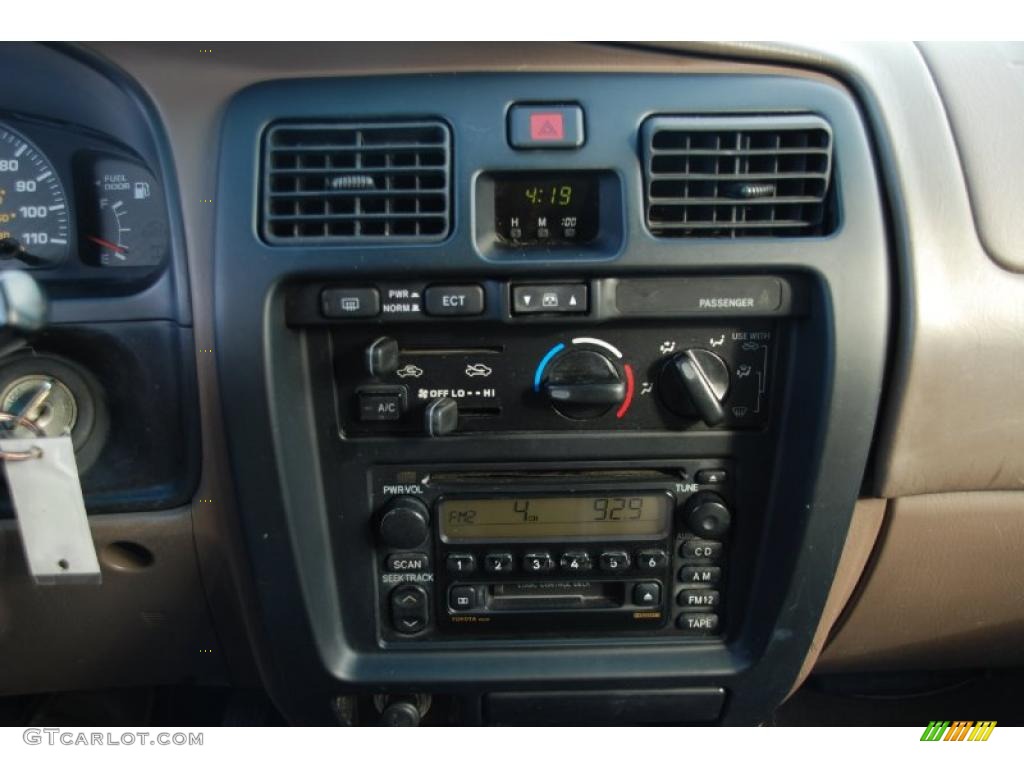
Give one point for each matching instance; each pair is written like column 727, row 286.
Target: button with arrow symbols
column 565, row 298
column 409, row 609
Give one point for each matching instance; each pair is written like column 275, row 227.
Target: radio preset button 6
column 540, row 562
column 697, row 575
column 576, row 562
column 697, row 549
column 460, row 562
column 647, row 594
column 614, row 562
column 651, row 559
column 498, row 562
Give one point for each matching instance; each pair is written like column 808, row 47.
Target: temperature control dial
column 583, row 384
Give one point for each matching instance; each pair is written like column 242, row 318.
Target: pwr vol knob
column 404, row 523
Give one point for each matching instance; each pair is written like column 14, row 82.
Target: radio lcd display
column 525, row 518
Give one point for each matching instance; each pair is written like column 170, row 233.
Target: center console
column 553, row 387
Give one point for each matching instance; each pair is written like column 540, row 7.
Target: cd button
column 498, row 562
column 651, row 559
column 698, row 549
column 460, row 562
column 575, row 562
column 540, row 562
column 613, row 562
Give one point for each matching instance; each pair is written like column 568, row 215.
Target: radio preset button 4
column 576, row 562
column 613, row 562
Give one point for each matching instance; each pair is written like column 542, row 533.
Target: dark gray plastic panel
column 311, row 600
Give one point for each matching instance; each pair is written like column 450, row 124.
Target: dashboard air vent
column 737, row 176
column 356, row 182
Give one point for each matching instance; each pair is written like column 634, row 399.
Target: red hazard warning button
column 545, row 126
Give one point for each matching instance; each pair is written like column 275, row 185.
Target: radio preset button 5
column 697, row 575
column 498, row 562
column 460, row 562
column 647, row 594
column 651, row 559
column 697, row 549
column 540, row 562
column 613, row 562
column 576, row 562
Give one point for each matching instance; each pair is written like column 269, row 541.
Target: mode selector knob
column 707, row 515
column 583, row 384
column 695, row 382
column 404, row 523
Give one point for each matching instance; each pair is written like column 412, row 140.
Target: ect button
column 454, row 300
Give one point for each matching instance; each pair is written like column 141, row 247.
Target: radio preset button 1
column 575, row 562
column 698, row 575
column 698, row 599
column 462, row 598
column 498, row 562
column 647, row 594
column 698, row 549
column 538, row 562
column 613, row 562
column 460, row 562
column 698, row 623
column 651, row 559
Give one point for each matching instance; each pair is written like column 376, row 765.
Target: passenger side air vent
column 356, row 182
column 738, row 176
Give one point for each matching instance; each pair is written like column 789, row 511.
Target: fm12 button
column 698, row 599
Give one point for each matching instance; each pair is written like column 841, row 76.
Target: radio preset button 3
column 614, row 562
column 576, row 562
column 498, row 562
column 460, row 562
column 651, row 559
column 538, row 562
column 647, row 594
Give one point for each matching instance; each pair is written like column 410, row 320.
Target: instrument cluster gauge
column 125, row 219
column 34, row 220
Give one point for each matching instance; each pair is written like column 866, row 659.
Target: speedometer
column 33, row 208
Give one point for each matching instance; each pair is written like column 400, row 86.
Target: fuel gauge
column 126, row 220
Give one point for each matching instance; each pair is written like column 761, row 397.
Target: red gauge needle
column 107, row 244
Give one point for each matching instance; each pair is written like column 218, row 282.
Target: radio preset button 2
column 698, row 549
column 613, row 562
column 698, row 599
column 460, row 562
column 647, row 594
column 498, row 562
column 462, row 598
column 538, row 562
column 699, row 575
column 651, row 559
column 575, row 562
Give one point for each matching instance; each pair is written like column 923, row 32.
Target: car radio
column 496, row 552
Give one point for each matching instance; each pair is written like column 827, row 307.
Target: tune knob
column 707, row 515
column 583, row 384
column 695, row 382
column 404, row 523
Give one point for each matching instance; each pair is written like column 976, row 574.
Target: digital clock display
column 546, row 210
column 525, row 518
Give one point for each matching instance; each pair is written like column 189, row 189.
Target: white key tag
column 42, row 478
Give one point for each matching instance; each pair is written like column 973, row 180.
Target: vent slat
column 738, row 176
column 356, row 182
